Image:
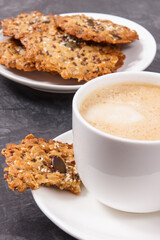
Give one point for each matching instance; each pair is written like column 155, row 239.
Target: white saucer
column 139, row 55
column 87, row 219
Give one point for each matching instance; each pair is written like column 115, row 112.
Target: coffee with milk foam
column 130, row 110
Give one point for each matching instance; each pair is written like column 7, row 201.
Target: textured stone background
column 24, row 110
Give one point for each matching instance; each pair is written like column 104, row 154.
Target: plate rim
column 49, row 87
column 33, row 84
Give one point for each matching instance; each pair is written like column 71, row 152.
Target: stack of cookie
column 73, row 46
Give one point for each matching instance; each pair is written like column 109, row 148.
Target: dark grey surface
column 24, row 110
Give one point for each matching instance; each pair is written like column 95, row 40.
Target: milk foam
column 111, row 113
column 125, row 110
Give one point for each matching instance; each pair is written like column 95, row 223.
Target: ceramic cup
column 121, row 173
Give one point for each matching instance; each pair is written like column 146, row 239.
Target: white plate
column 139, row 55
column 85, row 218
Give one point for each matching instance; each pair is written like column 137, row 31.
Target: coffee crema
column 128, row 110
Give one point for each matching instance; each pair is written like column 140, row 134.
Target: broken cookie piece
column 35, row 162
column 99, row 30
column 13, row 55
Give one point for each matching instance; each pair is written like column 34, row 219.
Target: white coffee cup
column 121, row 173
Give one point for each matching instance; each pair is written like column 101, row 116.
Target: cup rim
column 99, row 132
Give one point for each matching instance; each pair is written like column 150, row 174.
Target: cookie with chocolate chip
column 54, row 50
column 99, row 30
column 35, row 162
column 25, row 23
column 13, row 55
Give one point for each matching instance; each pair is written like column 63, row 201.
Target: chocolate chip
column 47, row 53
column 90, row 21
column 46, row 21
column 44, row 163
column 116, row 36
column 58, row 164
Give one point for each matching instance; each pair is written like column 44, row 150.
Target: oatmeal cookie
column 99, row 30
column 25, row 23
column 35, row 162
column 54, row 50
column 13, row 55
